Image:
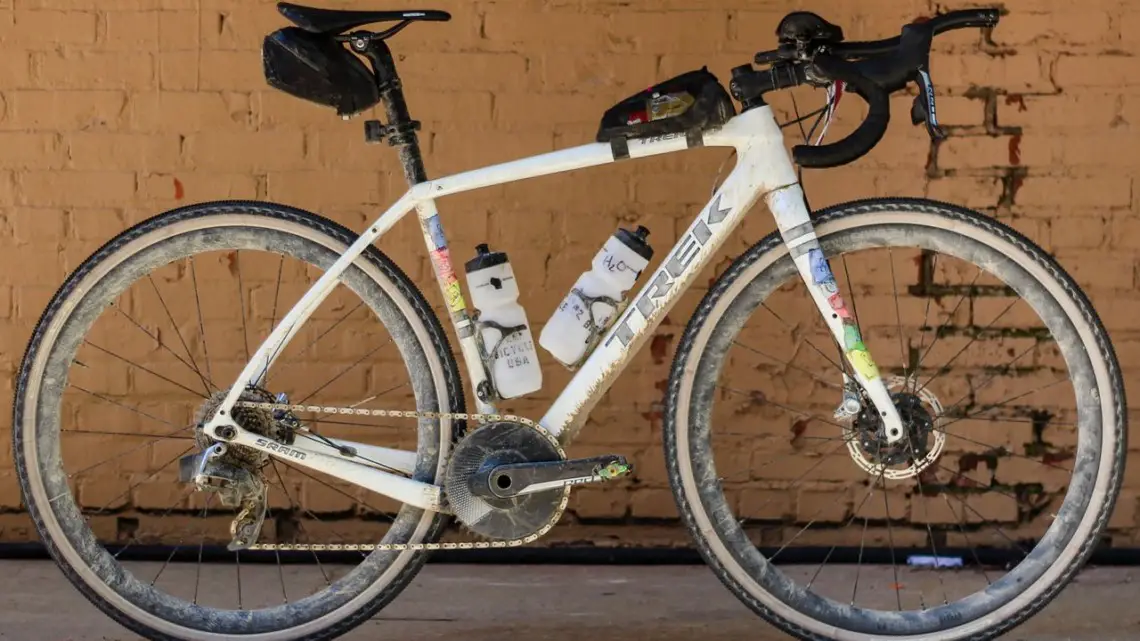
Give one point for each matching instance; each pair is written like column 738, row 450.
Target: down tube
column 689, row 256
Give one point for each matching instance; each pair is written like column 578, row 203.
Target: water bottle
column 509, row 351
column 593, row 302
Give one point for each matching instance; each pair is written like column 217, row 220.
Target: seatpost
column 401, row 129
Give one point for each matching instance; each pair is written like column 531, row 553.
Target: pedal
column 518, row 479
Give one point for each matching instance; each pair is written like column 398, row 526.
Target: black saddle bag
column 694, row 100
column 316, row 68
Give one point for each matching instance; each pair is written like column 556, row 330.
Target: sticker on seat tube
column 853, row 345
column 441, row 261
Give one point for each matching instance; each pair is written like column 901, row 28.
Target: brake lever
column 923, row 108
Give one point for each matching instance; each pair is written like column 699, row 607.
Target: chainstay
column 395, row 547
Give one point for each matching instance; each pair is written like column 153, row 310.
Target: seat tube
column 401, row 134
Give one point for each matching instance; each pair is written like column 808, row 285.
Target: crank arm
column 518, row 479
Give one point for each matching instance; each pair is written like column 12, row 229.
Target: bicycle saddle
column 333, row 21
column 805, row 26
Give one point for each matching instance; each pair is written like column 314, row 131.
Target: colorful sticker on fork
column 836, row 302
column 861, row 361
column 820, row 272
column 856, row 351
column 852, row 340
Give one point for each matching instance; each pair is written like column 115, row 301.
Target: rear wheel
column 1010, row 392
column 142, row 339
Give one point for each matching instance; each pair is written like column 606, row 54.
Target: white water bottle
column 592, row 303
column 513, row 361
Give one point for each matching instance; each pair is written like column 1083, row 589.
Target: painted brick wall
column 115, row 110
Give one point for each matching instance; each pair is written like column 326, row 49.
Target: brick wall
column 115, row 110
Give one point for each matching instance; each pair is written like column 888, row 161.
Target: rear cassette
column 502, row 443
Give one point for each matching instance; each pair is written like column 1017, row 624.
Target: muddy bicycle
column 247, row 448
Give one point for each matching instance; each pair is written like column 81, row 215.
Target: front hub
column 922, row 442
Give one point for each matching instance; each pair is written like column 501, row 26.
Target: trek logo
column 277, row 447
column 663, row 280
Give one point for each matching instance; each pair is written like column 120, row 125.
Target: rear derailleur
column 236, row 486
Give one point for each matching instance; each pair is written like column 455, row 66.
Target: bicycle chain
column 461, row 545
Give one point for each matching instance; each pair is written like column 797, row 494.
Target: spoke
column 110, row 433
column 834, row 547
column 809, row 343
column 169, row 435
column 166, row 563
column 1001, row 370
column 362, row 402
column 342, row 373
column 1006, row 419
column 331, row 327
column 984, row 519
column 178, row 333
column 201, row 324
column 891, row 540
column 989, row 488
column 145, row 369
column 1005, row 451
column 272, row 322
column 962, row 529
column 237, row 558
column 124, row 405
column 789, row 365
column 161, row 344
column 201, row 545
column 805, row 472
column 949, row 318
column 859, row 562
column 769, row 401
column 925, row 317
column 333, row 488
column 850, row 288
column 293, row 508
column 805, row 527
column 185, row 493
column 898, row 316
column 147, row 478
column 244, row 330
column 946, row 368
column 929, row 529
column 1005, row 402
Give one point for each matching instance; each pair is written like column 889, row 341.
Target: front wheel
column 1012, row 400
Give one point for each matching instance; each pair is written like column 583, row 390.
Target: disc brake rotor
column 495, row 444
column 922, row 442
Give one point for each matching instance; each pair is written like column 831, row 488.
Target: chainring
column 502, row 443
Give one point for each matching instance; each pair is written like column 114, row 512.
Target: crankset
column 517, row 479
column 510, row 480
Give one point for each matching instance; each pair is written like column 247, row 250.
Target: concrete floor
column 552, row 603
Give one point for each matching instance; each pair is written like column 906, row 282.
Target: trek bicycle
column 115, row 351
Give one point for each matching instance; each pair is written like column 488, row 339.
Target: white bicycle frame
column 763, row 169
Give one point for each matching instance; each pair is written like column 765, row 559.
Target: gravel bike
column 250, row 452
